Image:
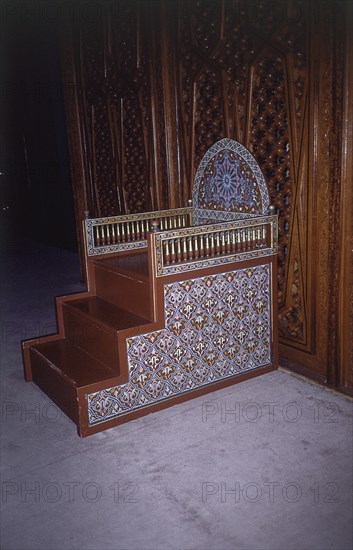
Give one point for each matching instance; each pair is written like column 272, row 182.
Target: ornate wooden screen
column 153, row 85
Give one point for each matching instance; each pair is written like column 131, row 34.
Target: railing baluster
column 185, row 250
column 238, row 240
column 190, row 251
column 253, row 238
column 212, row 245
column 196, row 247
column 218, row 243
column 250, row 234
column 113, row 233
column 166, row 252
column 228, row 242
column 232, row 240
column 102, row 235
column 97, row 239
column 107, row 234
column 207, row 245
column 172, row 251
column 223, row 243
column 243, row 239
column 202, row 246
column 133, row 231
column 257, row 237
column 179, row 252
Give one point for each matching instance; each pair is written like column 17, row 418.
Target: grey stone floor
column 265, row 464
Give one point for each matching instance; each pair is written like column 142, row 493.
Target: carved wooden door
column 157, row 83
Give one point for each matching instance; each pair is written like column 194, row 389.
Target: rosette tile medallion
column 229, row 184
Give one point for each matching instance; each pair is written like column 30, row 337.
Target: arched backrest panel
column 228, row 185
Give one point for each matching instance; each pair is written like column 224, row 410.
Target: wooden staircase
column 101, row 366
column 85, row 355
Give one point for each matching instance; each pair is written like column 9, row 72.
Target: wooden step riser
column 125, row 292
column 61, row 391
column 94, row 339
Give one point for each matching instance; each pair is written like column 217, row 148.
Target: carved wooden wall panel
column 157, row 83
column 345, row 306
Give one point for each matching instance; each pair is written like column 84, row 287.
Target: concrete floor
column 265, row 464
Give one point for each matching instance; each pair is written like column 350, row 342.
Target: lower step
column 65, row 373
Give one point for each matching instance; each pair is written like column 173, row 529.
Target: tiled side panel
column 216, row 327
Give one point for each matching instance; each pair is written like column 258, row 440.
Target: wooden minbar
column 178, row 303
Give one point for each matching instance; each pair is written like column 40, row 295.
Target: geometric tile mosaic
column 216, row 327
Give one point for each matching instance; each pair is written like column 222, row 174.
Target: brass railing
column 195, row 247
column 129, row 232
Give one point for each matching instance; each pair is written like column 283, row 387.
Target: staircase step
column 93, row 325
column 132, row 265
column 71, row 363
column 123, row 281
column 66, row 373
column 105, row 313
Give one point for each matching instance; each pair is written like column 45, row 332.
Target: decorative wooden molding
column 345, row 317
